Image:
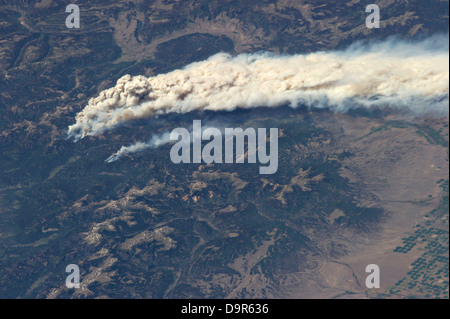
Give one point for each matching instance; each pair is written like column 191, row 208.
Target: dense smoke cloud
column 404, row 75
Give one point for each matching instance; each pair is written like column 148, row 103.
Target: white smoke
column 155, row 142
column 405, row 75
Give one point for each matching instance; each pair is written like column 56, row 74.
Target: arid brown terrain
column 353, row 189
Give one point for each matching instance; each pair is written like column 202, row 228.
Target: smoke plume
column 405, row 75
column 159, row 140
column 155, row 142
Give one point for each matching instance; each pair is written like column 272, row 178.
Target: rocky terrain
column 351, row 190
